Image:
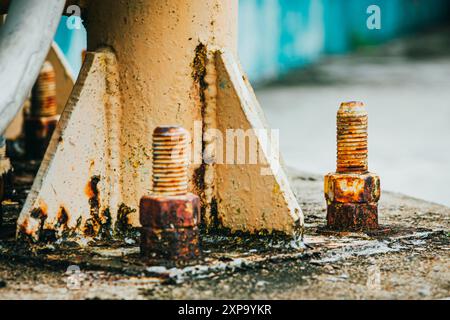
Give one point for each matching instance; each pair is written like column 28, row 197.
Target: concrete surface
column 409, row 259
column 405, row 87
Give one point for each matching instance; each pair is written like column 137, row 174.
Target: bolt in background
column 43, row 100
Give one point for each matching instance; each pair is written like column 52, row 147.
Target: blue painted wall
column 278, row 35
column 72, row 43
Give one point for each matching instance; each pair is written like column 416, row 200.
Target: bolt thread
column 352, row 146
column 44, row 93
column 170, row 162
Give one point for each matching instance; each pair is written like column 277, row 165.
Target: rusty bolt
column 170, row 215
column 5, row 166
column 352, row 193
column 42, row 116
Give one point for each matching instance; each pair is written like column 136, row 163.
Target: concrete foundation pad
column 407, row 258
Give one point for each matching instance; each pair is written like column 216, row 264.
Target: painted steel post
column 159, row 46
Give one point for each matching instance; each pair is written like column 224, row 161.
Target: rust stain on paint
column 62, row 218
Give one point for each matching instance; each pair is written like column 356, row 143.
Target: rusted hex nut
column 170, row 212
column 170, row 226
column 352, row 188
column 352, row 216
column 38, row 132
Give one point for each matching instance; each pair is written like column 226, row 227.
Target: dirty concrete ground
column 409, row 262
column 405, row 85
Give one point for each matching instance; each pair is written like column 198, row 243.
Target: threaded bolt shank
column 170, row 162
column 352, row 146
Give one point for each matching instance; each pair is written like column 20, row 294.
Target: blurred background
column 306, row 56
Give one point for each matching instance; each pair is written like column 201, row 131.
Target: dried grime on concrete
column 407, row 260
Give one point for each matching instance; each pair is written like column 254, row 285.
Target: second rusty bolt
column 42, row 117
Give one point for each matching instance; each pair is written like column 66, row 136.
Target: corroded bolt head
column 352, row 216
column 170, row 212
column 170, row 215
column 354, row 188
column 170, row 227
column 352, row 193
column 352, row 201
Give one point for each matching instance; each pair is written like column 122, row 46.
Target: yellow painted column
column 156, row 43
column 153, row 63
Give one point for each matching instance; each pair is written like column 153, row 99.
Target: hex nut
column 352, row 216
column 352, row 188
column 170, row 226
column 168, row 212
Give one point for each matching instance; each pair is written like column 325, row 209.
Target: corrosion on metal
column 123, row 227
column 42, row 117
column 178, row 211
column 170, row 216
column 352, row 188
column 35, row 227
column 99, row 225
column 352, row 193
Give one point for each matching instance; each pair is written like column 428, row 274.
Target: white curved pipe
column 25, row 40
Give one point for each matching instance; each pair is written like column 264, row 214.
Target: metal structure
column 150, row 63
